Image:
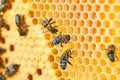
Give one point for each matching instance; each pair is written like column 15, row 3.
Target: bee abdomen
column 63, row 64
column 56, row 40
column 18, row 20
column 111, row 56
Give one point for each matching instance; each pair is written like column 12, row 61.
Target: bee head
column 44, row 23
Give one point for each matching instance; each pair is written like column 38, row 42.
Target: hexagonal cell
column 116, row 39
column 66, row 7
column 111, row 1
column 107, row 70
column 97, row 39
column 77, row 45
column 103, row 77
column 80, row 23
column 51, row 58
column 77, row 30
column 89, row 23
column 106, row 7
column 54, row 51
column 56, row 14
column 47, row 36
column 55, row 65
column 106, row 39
column 80, row 7
column 97, row 23
column 30, row 13
column 73, row 7
column 78, row 61
column 74, row 53
column 84, row 15
column 96, row 7
column 66, row 22
column 53, row 7
column 58, row 73
column 88, row 7
column 65, row 74
column 92, row 1
column 74, row 38
column 34, row 6
column 73, row 22
column 97, row 69
column 102, row 15
column 40, row 6
column 112, row 77
column 111, row 16
column 85, row 46
column 89, row 68
column 81, row 38
column 116, row 8
column 70, row 30
column 85, row 61
column 89, row 54
column 77, row 15
column 93, row 61
column 116, row 24
column 84, row 30
column 81, row 53
column 35, row 21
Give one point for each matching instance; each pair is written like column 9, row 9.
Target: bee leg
column 70, row 63
column 61, row 44
column 49, row 20
column 52, row 23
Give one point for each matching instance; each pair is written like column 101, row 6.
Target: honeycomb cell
column 89, row 68
column 64, row 30
column 74, row 37
column 66, row 7
column 24, row 1
column 85, row 30
column 49, row 44
column 79, row 75
column 72, row 75
column 82, row 68
column 86, row 76
column 69, row 1
column 93, row 15
column 103, row 77
column 97, row 54
column 65, row 74
column 101, row 46
column 37, row 0
column 85, row 46
column 102, row 15
column 88, row 7
column 116, row 39
column 70, row 30
column 54, row 51
column 34, row 6
column 96, row 7
column 111, row 16
column 80, row 23
column 97, row 23
column 51, row 58
column 53, row 7
column 107, row 70
column 61, row 78
column 81, row 53
column 85, row 15
column 89, row 23
column 81, row 38
column 47, row 36
column 106, row 23
column 102, row 31
column 59, row 7
column 106, row 8
column 54, row 65
column 56, row 1
column 116, row 71
column 77, row 15
column 77, row 30
column 62, row 1
column 116, row 24
column 73, row 7
column 49, row 1
column 37, row 13
column 58, row 73
column 70, row 15
column 77, row 45
column 83, row 1
column 74, row 53
column 116, row 8
column 107, row 39
column 40, row 6
column 78, row 61
column 94, row 76
column 66, row 22
column 89, row 54
column 47, row 7
column 77, row 1
column 112, row 77
column 85, row 61
column 56, row 14
column 63, row 15
column 60, row 22
column 71, row 44
column 101, row 1
column 31, row 13
column 34, row 21
column 92, row 46
column 93, row 62
column 92, row 1
column 98, row 69
column 93, row 31
column 80, row 7
column 97, row 39
column 111, row 1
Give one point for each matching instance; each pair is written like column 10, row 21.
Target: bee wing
column 41, row 31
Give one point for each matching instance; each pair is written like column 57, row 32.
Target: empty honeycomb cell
column 74, row 37
column 89, row 68
column 97, row 69
column 59, row 7
column 40, row 6
column 56, row 1
column 107, row 8
column 56, row 14
column 116, row 39
column 66, row 7
column 97, row 39
column 65, row 74
column 92, row 46
column 77, row 30
column 77, row 1
column 94, row 76
column 83, row 1
column 60, row 22
column 77, row 15
column 44, row 13
column 31, row 13
column 81, row 38
column 47, row 36
column 49, row 44
column 61, row 78
column 58, row 73
column 37, row 13
column 55, row 65
column 47, row 7
column 112, row 64
column 72, row 75
column 96, row 7
column 88, row 7
column 81, row 53
column 107, row 39
column 85, row 15
column 116, row 8
column 116, row 24
column 35, row 21
column 112, row 77
column 85, row 61
column 70, row 30
column 73, row 7
column 54, row 51
column 53, row 7
column 102, row 31
column 97, row 23
column 80, row 23
column 82, row 68
column 74, row 53
column 102, row 46
column 102, row 15
column 101, row 1
column 93, row 15
column 97, row 54
column 34, row 6
column 116, row 71
column 62, row 1
column 107, row 70
column 80, row 7
column 86, row 76
column 50, row 14
column 111, row 1
column 92, row 1
column 106, row 23
column 79, row 75
column 111, row 16
column 89, row 54
column 77, row 45
column 103, row 77
column 66, row 22
column 89, row 23
column 93, row 31
column 64, row 30
column 70, row 15
column 93, row 62
column 71, row 44
column 51, row 58
column 85, row 30
column 63, row 15
column 85, row 46
column 78, row 60
column 69, row 1
column 102, row 62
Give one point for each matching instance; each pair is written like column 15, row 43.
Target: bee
column 61, row 39
column 48, row 24
column 111, row 52
column 2, row 50
column 22, row 26
column 64, row 59
column 30, row 77
column 11, row 69
column 3, row 4
column 2, row 76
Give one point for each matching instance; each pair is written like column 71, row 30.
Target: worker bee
column 64, row 59
column 3, row 4
column 2, row 76
column 11, row 69
column 111, row 52
column 61, row 39
column 22, row 26
column 2, row 50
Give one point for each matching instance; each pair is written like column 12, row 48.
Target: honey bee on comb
column 61, row 39
column 2, row 4
column 2, row 76
column 111, row 52
column 64, row 59
column 22, row 26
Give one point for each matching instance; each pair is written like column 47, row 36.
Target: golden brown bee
column 2, row 76
column 111, row 52
column 22, row 26
column 64, row 59
column 61, row 39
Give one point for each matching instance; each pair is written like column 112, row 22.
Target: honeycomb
column 92, row 24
